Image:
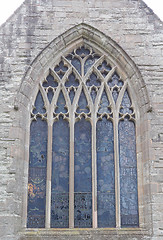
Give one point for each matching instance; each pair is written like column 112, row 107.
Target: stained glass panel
column 72, row 81
column 72, row 95
column 128, row 174
column 60, row 175
column 83, row 175
column 75, row 62
column 126, row 104
column 104, row 104
column 82, row 104
column 104, row 68
column 89, row 62
column 39, row 104
column 50, row 82
column 105, row 174
column 115, row 94
column 50, row 94
column 93, row 94
column 61, row 104
column 61, row 69
column 37, row 174
column 93, row 80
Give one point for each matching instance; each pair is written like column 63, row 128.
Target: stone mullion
column 117, row 174
column 71, row 172
column 49, row 169
column 94, row 173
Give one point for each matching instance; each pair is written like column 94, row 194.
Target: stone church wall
column 139, row 32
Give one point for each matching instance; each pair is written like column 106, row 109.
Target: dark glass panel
column 82, row 52
column 72, row 81
column 72, row 95
column 93, row 80
column 77, row 64
column 39, row 104
column 128, row 174
column 82, row 104
column 61, row 103
column 50, row 95
column 37, row 174
column 83, row 210
column 50, row 82
column 60, row 69
column 93, row 94
column 83, row 174
column 105, row 174
column 115, row 94
column 126, row 104
column 60, row 175
column 89, row 62
column 104, row 68
column 115, row 80
column 104, row 104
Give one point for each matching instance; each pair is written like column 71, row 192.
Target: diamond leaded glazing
column 81, row 118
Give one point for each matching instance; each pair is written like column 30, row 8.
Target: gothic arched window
column 82, row 156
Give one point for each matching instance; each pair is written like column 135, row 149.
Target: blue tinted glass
column 104, row 104
column 83, row 174
column 72, row 81
column 115, row 81
column 93, row 94
column 50, row 82
column 104, row 68
column 115, row 94
column 93, row 80
column 50, row 95
column 105, row 174
column 82, row 52
column 61, row 103
column 128, row 174
column 37, row 174
column 82, row 104
column 60, row 175
column 60, row 69
column 126, row 104
column 76, row 63
column 72, row 95
column 39, row 104
column 89, row 62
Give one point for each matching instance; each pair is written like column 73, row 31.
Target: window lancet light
column 82, row 156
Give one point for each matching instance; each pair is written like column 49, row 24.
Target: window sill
column 53, row 232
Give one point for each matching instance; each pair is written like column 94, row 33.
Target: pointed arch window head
column 82, row 164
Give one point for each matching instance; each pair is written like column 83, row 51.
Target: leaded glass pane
column 50, row 94
column 50, row 82
column 93, row 80
column 39, row 104
column 60, row 175
column 126, row 104
column 105, row 174
column 37, row 174
column 61, row 104
column 83, row 175
column 82, row 104
column 104, row 68
column 61, row 69
column 89, row 62
column 72, row 81
column 104, row 106
column 128, row 174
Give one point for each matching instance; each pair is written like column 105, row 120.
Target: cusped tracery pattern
column 83, row 130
